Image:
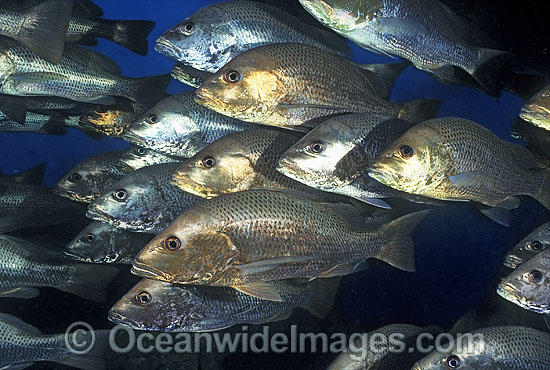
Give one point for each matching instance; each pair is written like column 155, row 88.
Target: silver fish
column 54, row 124
column 138, row 157
column 537, row 241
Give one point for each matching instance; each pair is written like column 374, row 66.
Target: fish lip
column 68, row 194
column 134, row 139
column 97, row 214
column 165, row 47
column 508, row 291
column 512, row 261
column 119, row 319
column 140, row 269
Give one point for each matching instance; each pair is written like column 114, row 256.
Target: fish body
column 217, row 33
column 189, row 75
column 180, row 308
column 425, row 32
column 239, row 162
column 26, row 205
column 138, row 157
column 143, row 201
column 177, row 125
column 260, row 235
column 102, row 243
column 457, row 159
column 505, row 347
column 537, row 109
column 537, row 241
column 54, row 124
column 26, row 266
column 528, row 285
column 293, row 85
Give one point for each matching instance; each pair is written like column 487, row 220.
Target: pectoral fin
column 399, row 27
column 261, row 266
column 262, row 290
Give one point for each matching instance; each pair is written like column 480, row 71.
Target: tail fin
column 489, row 73
column 89, row 281
column 397, row 244
column 151, row 89
column 33, row 176
column 387, row 73
column 55, row 126
column 323, row 293
column 15, row 107
column 93, row 360
column 420, row 110
column 543, row 195
column 45, row 31
column 131, row 35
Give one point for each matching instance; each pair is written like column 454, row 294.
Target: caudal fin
column 89, row 281
column 387, row 74
column 322, row 296
column 543, row 195
column 397, row 243
column 131, row 35
column 491, row 70
column 93, row 360
column 150, row 90
column 420, row 110
column 46, row 27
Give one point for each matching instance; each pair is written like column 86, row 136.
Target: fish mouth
column 165, row 47
column 133, row 138
column 183, row 182
column 97, row 214
column 380, row 175
column 509, row 292
column 512, row 261
column 68, row 194
column 289, row 168
column 143, row 270
column 119, row 319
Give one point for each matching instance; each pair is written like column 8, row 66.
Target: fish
column 177, row 125
column 527, row 286
column 161, row 306
column 22, row 344
column 498, row 347
column 189, row 75
column 457, row 159
column 88, row 179
column 143, row 201
column 111, row 120
column 238, row 162
column 85, row 26
column 82, row 74
column 247, row 239
column 534, row 243
column 537, row 139
column 103, row 243
column 297, row 86
column 537, row 109
column 50, row 124
column 138, row 157
column 384, row 358
column 26, row 266
column 427, row 33
column 27, row 205
column 41, row 28
column 217, row 33
column 33, row 176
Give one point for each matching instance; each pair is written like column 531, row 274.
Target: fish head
column 132, row 204
column 158, row 305
column 94, row 244
column 220, row 168
column 189, row 251
column 247, row 88
column 342, row 15
column 205, row 41
column 139, row 157
column 477, row 355
column 415, row 163
column 532, row 244
column 529, row 284
column 315, row 159
column 537, row 109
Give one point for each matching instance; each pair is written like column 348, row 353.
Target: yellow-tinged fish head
column 537, row 109
column 415, row 163
column 189, row 251
column 342, row 15
column 246, row 88
column 222, row 167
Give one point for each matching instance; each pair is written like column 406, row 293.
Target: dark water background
column 459, row 252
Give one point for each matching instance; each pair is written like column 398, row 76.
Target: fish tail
column 150, row 90
column 420, row 110
column 490, row 70
column 397, row 243
column 55, row 126
column 89, row 281
column 46, row 30
column 131, row 35
column 322, row 296
column 93, row 360
column 543, row 194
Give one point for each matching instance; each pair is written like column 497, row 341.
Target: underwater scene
column 274, row 184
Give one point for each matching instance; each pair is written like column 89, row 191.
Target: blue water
column 459, row 252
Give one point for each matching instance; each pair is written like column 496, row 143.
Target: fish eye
column 152, row 119
column 535, row 276
column 535, row 246
column 75, row 177
column 140, row 151
column 208, row 162
column 317, row 146
column 188, row 28
column 453, row 362
column 232, row 76
column 172, row 243
column 144, row 298
column 406, row 151
column 120, row 195
column 89, row 237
